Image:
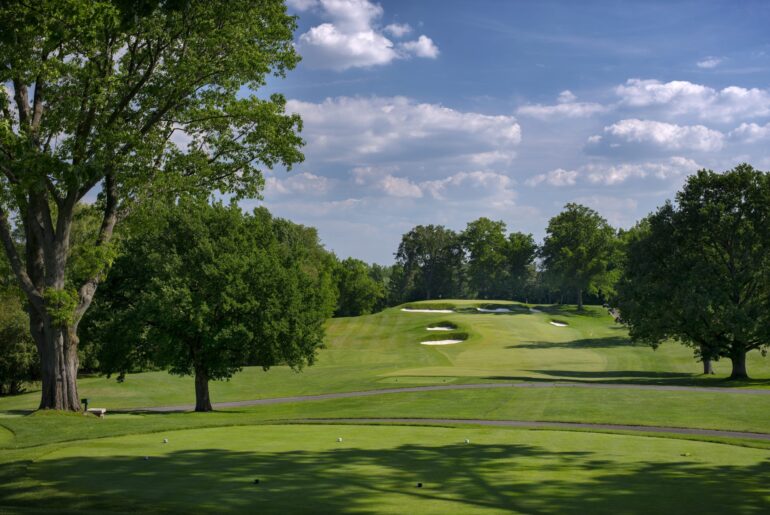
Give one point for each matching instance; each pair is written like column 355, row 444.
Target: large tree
column 520, row 252
column 129, row 99
column 485, row 244
column 698, row 271
column 359, row 292
column 577, row 249
column 431, row 258
column 204, row 290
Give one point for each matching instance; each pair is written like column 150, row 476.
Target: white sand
column 439, row 328
column 559, row 324
column 442, row 342
column 408, row 310
column 496, row 310
column 533, row 310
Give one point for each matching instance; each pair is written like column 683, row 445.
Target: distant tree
column 432, row 260
column 382, row 276
column 204, row 290
column 359, row 293
column 133, row 100
column 485, row 244
column 18, row 355
column 520, row 251
column 577, row 249
column 698, row 271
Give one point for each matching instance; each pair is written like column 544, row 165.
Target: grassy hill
column 383, row 351
column 77, row 463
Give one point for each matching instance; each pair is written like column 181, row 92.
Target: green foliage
column 60, row 305
column 18, row 355
column 359, row 292
column 431, row 261
column 699, row 271
column 205, row 289
column 577, row 249
column 484, row 241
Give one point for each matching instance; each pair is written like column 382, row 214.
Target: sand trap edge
column 441, row 342
column 408, row 310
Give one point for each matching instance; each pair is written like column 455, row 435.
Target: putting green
column 304, row 468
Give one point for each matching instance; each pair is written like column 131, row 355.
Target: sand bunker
column 440, row 328
column 410, row 310
column 496, row 310
column 558, row 324
column 442, row 342
column 533, row 310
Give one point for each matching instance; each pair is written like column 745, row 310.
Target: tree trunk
column 202, row 399
column 708, row 368
column 580, row 299
column 59, row 366
column 739, row 365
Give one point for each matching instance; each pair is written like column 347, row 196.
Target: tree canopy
column 204, row 290
column 577, row 249
column 431, row 260
column 135, row 100
column 698, row 271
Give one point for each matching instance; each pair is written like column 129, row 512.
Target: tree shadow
column 464, row 478
column 584, row 343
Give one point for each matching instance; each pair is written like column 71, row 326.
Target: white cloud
column 421, row 47
column 350, row 37
column 664, row 135
column 368, row 131
column 476, row 184
column 566, row 107
column 303, row 183
column 399, row 187
column 750, row 132
column 398, row 30
column 709, row 62
column 613, row 174
column 558, row 177
column 681, row 97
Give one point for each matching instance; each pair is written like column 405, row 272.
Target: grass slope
column 378, row 351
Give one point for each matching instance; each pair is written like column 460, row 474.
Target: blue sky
column 420, row 112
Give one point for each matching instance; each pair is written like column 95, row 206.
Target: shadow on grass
column 462, row 478
column 635, row 377
column 586, row 343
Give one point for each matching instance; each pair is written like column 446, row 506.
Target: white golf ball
column 339, row 439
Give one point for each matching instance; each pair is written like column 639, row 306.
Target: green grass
column 76, row 463
column 376, row 469
column 372, row 352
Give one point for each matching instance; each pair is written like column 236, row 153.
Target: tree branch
column 18, row 268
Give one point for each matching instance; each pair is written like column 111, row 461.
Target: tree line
column 143, row 103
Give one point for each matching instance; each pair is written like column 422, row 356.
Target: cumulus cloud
column 566, row 107
column 472, row 185
column 750, row 133
column 376, row 130
column 399, row 187
column 662, row 135
column 682, row 97
column 558, row 177
column 421, row 47
column 398, row 30
column 613, row 174
column 303, row 183
column 709, row 62
column 350, row 36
